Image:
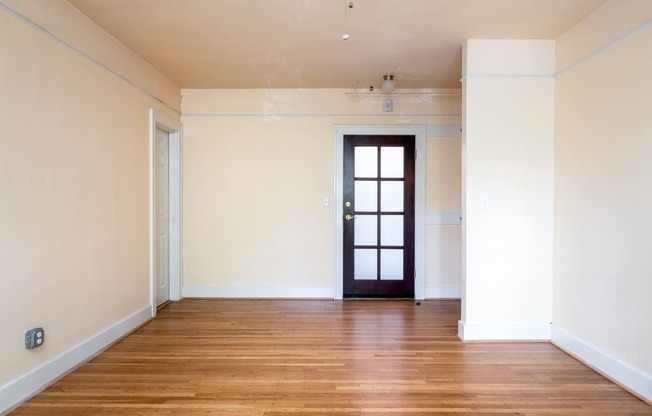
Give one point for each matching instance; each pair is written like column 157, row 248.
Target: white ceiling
column 298, row 43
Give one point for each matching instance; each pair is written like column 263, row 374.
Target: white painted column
column 508, row 138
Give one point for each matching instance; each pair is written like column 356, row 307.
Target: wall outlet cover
column 34, row 338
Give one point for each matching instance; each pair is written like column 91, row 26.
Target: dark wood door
column 378, row 216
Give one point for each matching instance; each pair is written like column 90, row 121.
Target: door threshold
column 163, row 305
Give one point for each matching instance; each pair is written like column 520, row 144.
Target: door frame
column 160, row 121
column 419, row 133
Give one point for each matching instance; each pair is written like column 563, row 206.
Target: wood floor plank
column 204, row 357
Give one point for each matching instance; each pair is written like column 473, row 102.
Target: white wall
column 508, row 189
column 257, row 164
column 597, row 293
column 603, row 199
column 74, row 179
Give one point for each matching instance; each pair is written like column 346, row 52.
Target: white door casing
column 173, row 129
column 419, row 133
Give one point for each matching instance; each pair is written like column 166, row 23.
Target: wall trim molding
column 29, row 22
column 443, row 218
column 630, row 378
column 24, row 387
column 579, row 62
column 443, row 292
column 506, row 76
column 503, row 332
column 310, row 292
column 280, row 292
column 328, row 115
column 443, row 130
column 604, row 48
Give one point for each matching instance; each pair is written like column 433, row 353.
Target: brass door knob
column 349, row 217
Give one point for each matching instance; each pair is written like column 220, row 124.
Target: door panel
column 378, row 216
column 162, row 219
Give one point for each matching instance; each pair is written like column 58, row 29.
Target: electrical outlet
column 34, row 338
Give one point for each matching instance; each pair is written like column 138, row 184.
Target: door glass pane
column 391, row 264
column 365, row 264
column 366, row 162
column 366, row 230
column 391, row 196
column 391, row 230
column 366, row 196
column 391, row 162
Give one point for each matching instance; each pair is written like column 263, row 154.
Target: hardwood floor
column 261, row 357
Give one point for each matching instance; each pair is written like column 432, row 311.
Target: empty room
column 325, row 207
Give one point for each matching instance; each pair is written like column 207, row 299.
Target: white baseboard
column 630, row 378
column 317, row 292
column 443, row 293
column 503, row 332
column 29, row 384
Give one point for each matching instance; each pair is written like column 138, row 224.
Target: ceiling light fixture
column 388, row 83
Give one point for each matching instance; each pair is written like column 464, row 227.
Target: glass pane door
column 379, row 220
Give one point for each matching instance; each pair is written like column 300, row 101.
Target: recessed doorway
column 165, row 209
column 418, row 255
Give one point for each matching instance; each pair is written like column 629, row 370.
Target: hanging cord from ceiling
column 347, row 5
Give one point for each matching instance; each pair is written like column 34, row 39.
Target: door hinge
column 415, row 274
column 415, row 154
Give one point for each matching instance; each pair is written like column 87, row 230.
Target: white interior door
column 162, row 218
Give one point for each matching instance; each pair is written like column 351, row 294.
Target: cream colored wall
column 603, row 203
column 443, row 197
column 67, row 23
column 252, row 202
column 508, row 189
column 74, row 179
column 257, row 164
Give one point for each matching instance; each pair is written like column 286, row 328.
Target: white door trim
column 419, row 133
column 173, row 128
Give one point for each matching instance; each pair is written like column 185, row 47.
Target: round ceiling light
column 388, row 83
